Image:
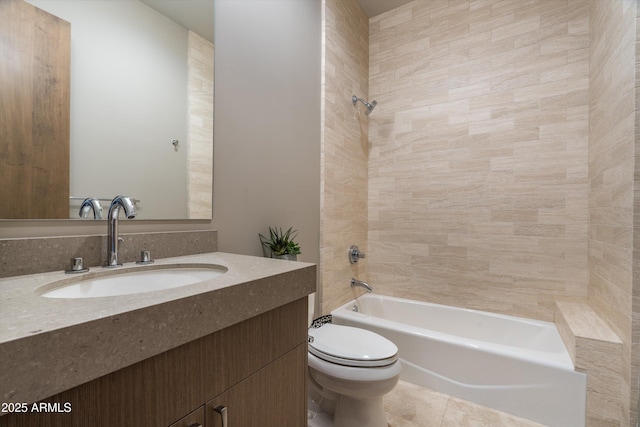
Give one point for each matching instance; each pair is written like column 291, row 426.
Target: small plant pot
column 288, row 257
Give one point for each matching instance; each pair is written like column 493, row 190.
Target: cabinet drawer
column 194, row 419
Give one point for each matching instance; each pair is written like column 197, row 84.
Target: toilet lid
column 349, row 346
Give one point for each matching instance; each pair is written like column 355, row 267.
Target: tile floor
column 409, row 405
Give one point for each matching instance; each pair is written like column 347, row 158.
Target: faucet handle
column 77, row 266
column 145, row 258
column 355, row 254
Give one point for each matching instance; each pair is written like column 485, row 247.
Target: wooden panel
column 160, row 390
column 274, row 396
column 35, row 53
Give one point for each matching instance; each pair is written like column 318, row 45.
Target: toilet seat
column 348, row 346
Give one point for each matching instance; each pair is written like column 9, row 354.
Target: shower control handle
column 355, row 254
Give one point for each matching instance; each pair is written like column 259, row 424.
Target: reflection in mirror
column 141, row 106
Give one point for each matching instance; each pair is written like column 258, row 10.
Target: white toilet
column 352, row 369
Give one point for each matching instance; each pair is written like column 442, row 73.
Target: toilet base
column 319, row 420
column 370, row 414
column 351, row 412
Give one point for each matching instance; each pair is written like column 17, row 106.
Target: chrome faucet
column 112, row 227
column 90, row 204
column 362, row 284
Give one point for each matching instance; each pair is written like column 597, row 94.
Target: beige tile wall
column 478, row 183
column 635, row 334
column 482, row 152
column 200, row 127
column 596, row 350
column 611, row 176
column 344, row 150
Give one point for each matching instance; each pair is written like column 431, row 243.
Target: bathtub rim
column 558, row 360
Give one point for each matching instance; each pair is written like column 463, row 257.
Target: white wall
column 267, row 127
column 128, row 102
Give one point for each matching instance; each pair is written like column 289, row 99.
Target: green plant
column 281, row 243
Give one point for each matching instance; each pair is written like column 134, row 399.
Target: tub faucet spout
column 355, row 282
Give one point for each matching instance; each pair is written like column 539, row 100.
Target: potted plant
column 281, row 244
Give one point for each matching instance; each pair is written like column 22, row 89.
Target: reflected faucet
column 362, row 284
column 118, row 202
column 90, row 204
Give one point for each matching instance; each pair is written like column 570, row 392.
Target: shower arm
column 370, row 106
column 355, row 100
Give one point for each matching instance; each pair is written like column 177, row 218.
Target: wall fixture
column 370, row 106
column 355, row 254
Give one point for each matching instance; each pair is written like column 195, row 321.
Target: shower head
column 370, row 106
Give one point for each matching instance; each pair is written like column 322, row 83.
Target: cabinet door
column 274, row 396
column 194, row 419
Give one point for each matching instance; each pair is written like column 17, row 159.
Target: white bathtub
column 512, row 364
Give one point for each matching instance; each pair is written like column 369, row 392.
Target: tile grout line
column 444, row 413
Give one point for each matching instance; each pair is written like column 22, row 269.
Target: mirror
column 141, row 96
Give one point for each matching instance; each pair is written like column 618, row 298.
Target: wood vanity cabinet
column 194, row 419
column 255, row 368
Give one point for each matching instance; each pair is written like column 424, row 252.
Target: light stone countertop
column 48, row 345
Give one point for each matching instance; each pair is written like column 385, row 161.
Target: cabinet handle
column 222, row 410
column 196, row 425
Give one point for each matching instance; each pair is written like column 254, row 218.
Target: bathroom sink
column 126, row 281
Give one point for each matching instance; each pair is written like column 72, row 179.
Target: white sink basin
column 126, row 281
